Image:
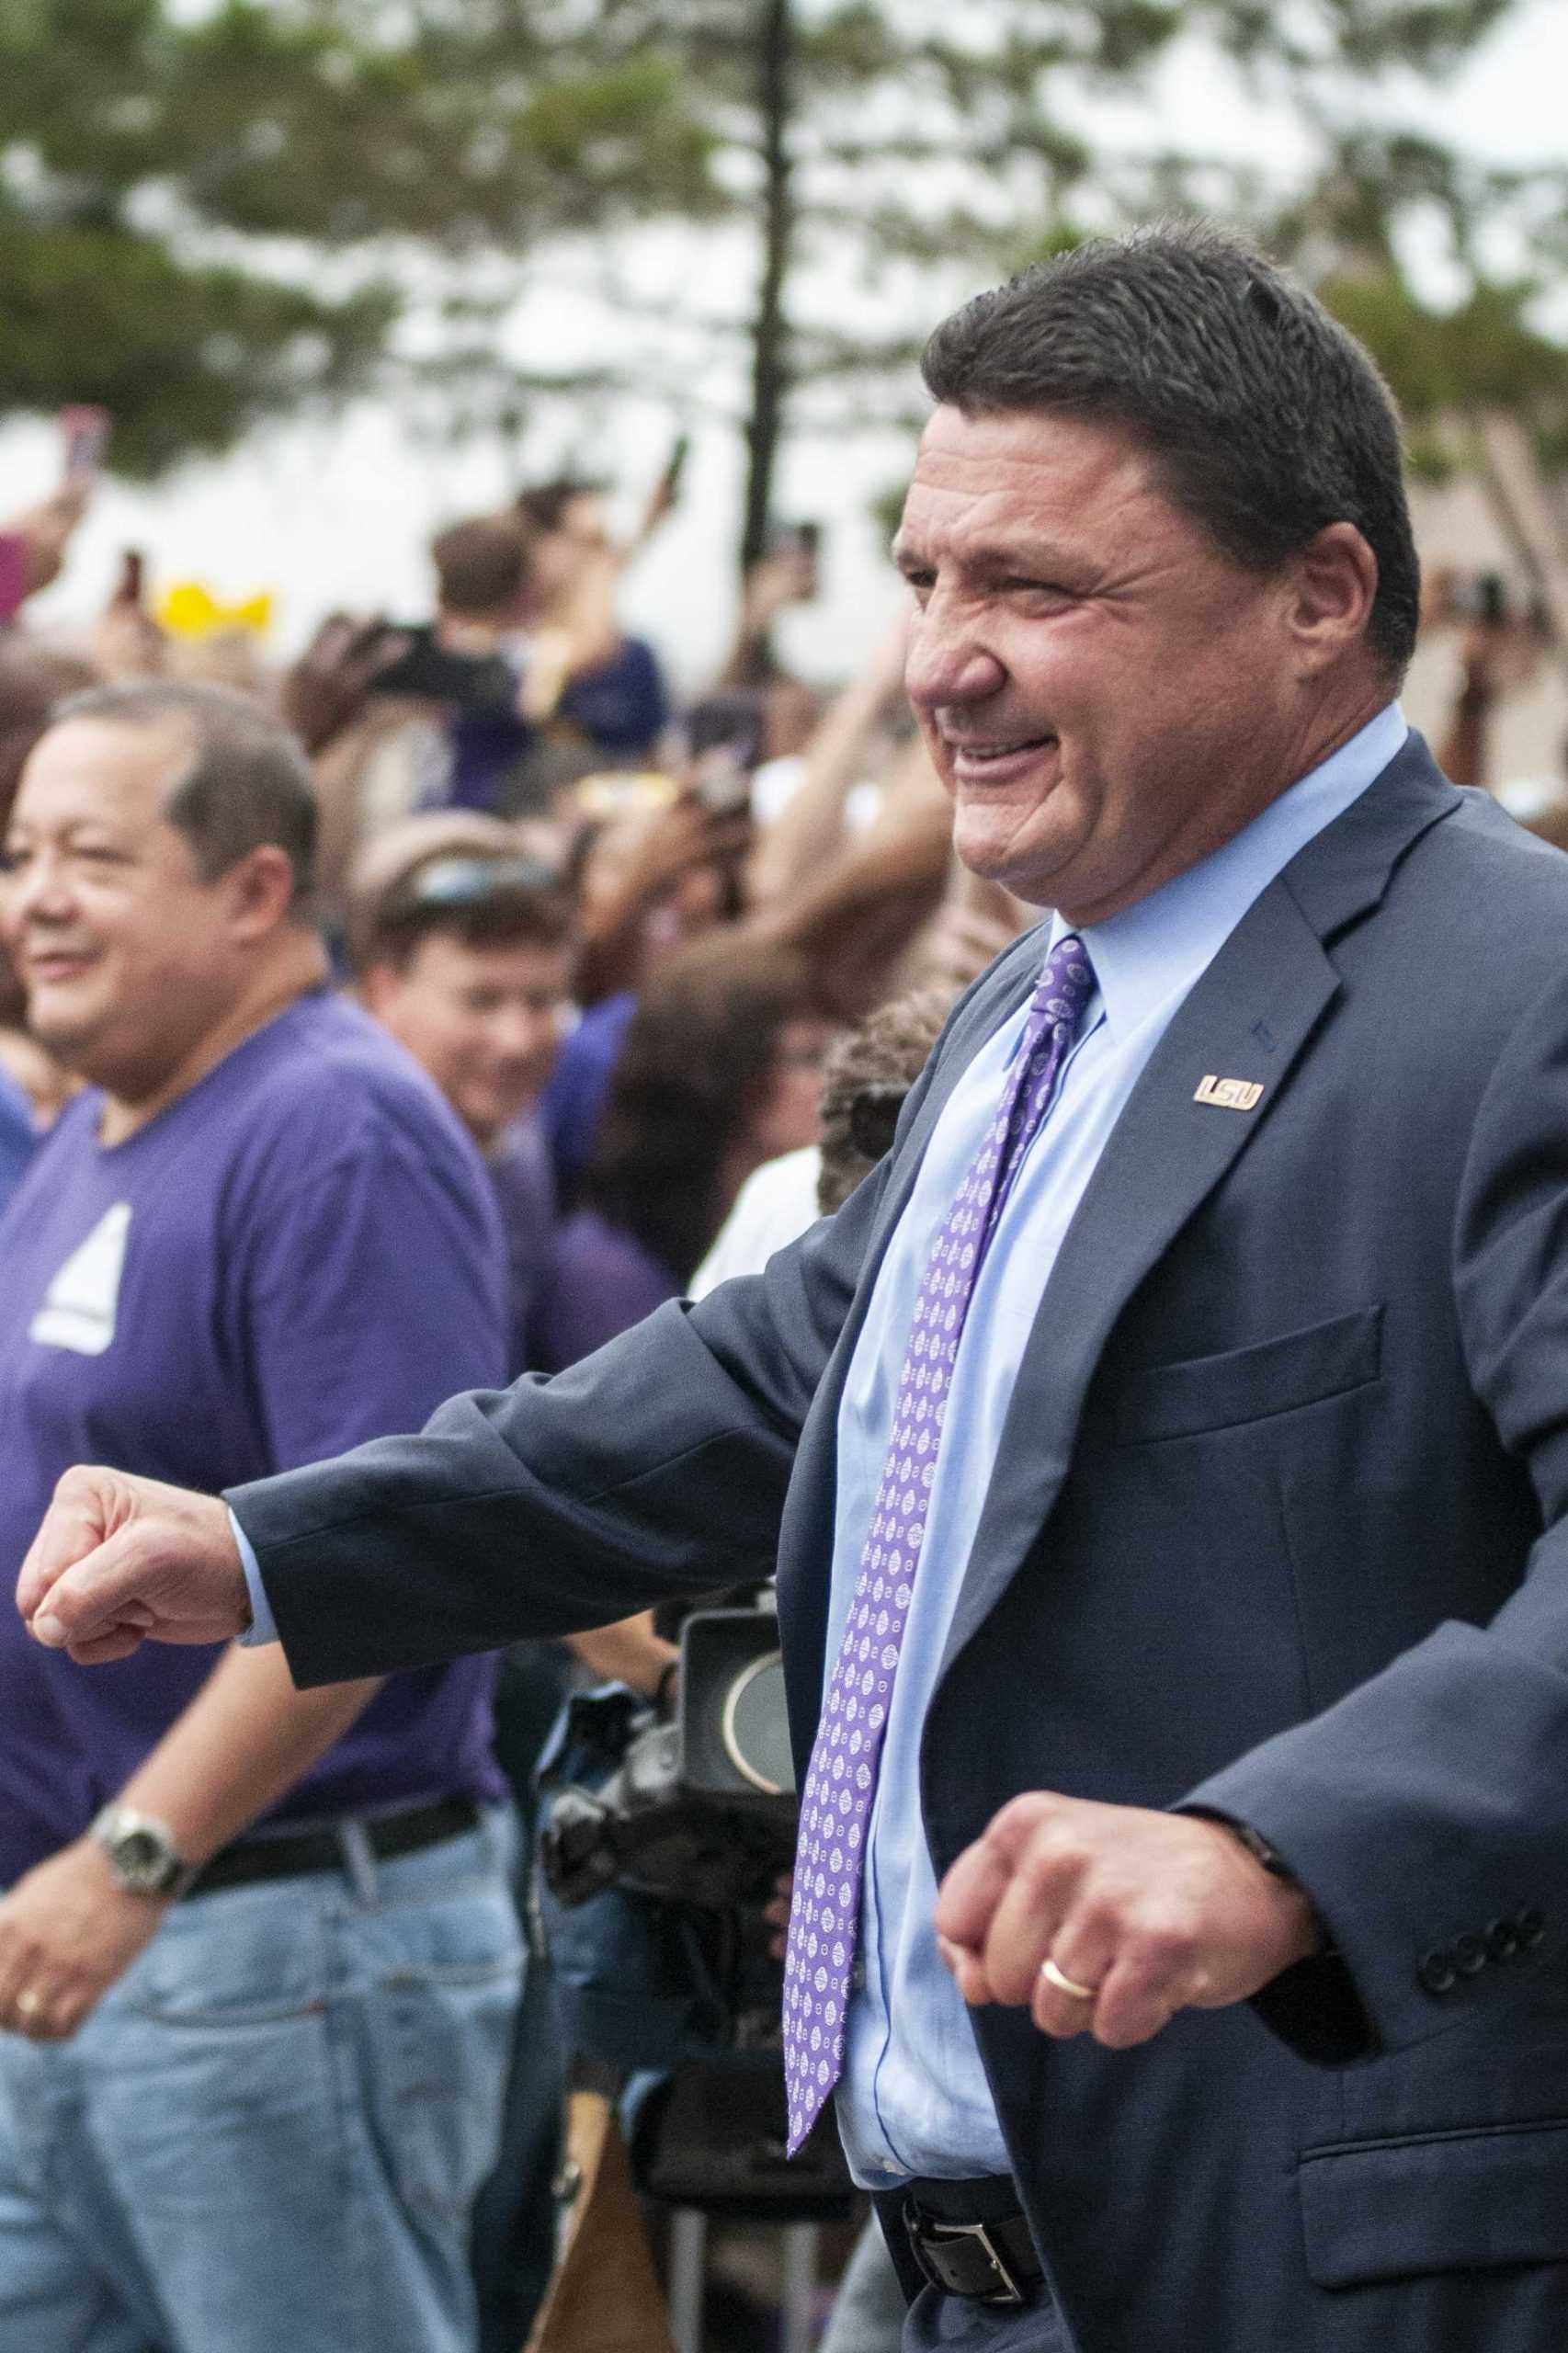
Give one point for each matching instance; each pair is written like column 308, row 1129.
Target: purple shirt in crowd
column 572, row 1103
column 620, row 708
column 601, row 1281
column 623, row 706
column 524, row 1179
column 17, row 1141
column 301, row 1253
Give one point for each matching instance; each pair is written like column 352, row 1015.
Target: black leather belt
column 322, row 1849
column 969, row 2239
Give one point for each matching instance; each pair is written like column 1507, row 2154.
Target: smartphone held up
column 85, row 432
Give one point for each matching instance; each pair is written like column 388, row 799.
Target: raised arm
column 657, row 1466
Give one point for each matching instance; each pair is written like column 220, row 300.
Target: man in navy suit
column 1166, row 1451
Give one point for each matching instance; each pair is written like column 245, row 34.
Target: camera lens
column 755, row 1729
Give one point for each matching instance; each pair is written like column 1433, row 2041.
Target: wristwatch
column 1258, row 1846
column 1271, row 1860
column 142, row 1857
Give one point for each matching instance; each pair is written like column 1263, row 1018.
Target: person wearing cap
column 466, row 957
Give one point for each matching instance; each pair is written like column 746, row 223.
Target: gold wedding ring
column 1065, row 1984
column 28, row 2003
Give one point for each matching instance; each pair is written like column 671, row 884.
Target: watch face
column 141, row 1858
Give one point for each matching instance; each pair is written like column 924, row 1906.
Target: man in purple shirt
column 258, row 1957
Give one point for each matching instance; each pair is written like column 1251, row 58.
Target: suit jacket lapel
column 1251, row 1015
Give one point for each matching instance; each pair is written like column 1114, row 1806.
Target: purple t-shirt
column 299, row 1254
column 524, row 1182
column 17, row 1141
column 622, row 707
column 601, row 1281
column 571, row 1105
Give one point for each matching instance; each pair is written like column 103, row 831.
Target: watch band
column 1258, row 1846
column 1269, row 1858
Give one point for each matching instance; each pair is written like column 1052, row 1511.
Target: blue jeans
column 268, row 2136
column 867, row 2311
column 936, row 2323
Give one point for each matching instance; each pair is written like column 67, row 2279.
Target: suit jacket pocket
column 1247, row 1384
column 1440, row 2202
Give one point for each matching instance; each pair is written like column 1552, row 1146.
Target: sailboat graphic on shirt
column 80, row 1305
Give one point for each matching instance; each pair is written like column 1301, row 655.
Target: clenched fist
column 1139, row 1915
column 119, row 1561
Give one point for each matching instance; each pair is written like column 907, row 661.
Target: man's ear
column 1333, row 587
column 261, row 890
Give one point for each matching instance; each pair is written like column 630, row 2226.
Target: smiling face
column 128, row 957
column 1106, row 696
column 485, row 1022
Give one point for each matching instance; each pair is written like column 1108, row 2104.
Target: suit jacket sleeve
column 1427, row 1812
column 656, row 1466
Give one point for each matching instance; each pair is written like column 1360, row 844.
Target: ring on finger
column 1065, row 1984
column 28, row 2003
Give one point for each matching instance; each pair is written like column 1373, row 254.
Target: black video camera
column 681, row 1830
column 701, row 1810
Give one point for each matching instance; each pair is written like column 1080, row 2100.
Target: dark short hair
column 543, row 506
column 248, row 781
column 1262, row 419
column 477, row 899
column 480, row 564
column 868, row 1075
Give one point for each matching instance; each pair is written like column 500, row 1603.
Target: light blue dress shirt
column 913, row 2098
column 263, row 1627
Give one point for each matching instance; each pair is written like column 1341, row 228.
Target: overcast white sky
column 339, row 515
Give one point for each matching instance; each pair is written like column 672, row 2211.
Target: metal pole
column 800, row 2287
column 770, row 331
column 688, row 2263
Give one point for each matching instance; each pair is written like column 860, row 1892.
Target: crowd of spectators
column 407, row 1019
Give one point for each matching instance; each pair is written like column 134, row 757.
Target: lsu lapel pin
column 1229, row 1094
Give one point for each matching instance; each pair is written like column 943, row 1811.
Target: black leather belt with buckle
column 287, row 1856
column 990, row 2262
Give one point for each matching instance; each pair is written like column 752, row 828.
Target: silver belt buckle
column 1008, row 2289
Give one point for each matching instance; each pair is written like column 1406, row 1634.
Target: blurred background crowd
column 621, row 926
column 621, row 933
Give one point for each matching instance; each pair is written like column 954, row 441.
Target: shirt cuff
column 263, row 1627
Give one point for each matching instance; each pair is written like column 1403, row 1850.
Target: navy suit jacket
column 1279, row 1526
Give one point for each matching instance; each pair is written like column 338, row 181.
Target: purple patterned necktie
column 842, row 1780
